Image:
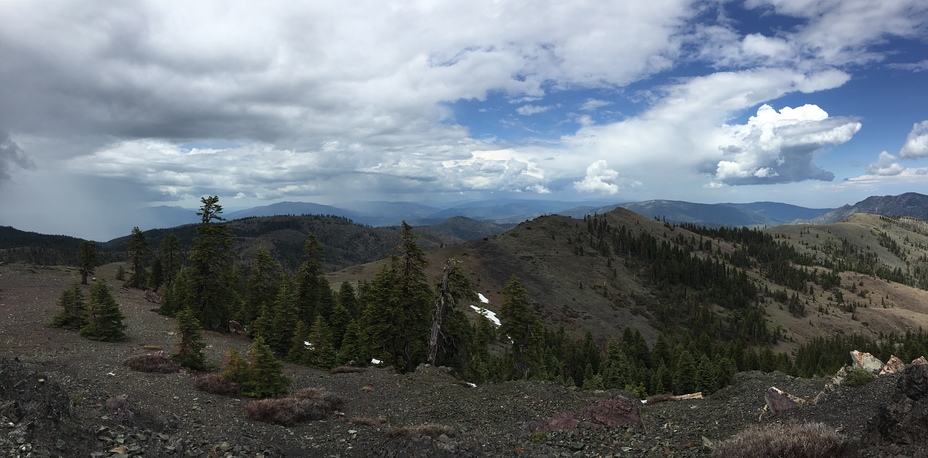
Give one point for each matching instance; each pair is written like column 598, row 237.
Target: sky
column 110, row 106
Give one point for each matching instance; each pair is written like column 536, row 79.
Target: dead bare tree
column 443, row 303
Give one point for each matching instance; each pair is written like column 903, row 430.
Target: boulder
column 614, row 412
column 781, row 401
column 904, row 420
column 892, row 366
column 920, row 360
column 866, row 361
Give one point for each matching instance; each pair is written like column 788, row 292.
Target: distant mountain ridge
column 910, row 204
column 725, row 214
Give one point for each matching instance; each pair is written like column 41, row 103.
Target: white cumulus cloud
column 916, row 143
column 599, row 179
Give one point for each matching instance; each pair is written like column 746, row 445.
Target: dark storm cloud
column 11, row 155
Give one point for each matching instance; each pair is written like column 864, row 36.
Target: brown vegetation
column 304, row 405
column 151, row 362
column 794, row 440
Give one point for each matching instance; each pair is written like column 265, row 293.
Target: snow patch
column 487, row 313
column 375, row 361
column 483, row 298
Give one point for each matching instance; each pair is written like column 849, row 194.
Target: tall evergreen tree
column 139, row 255
column 348, row 299
column 520, row 325
column 87, row 259
column 284, row 320
column 314, row 295
column 171, row 256
column 396, row 317
column 212, row 274
column 262, row 286
column 322, row 351
column 102, row 318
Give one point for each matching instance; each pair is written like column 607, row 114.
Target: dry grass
column 430, row 430
column 806, row 440
column 216, row 384
column 151, row 362
column 304, row 405
column 367, row 421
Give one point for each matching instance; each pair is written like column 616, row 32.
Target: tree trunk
column 444, row 301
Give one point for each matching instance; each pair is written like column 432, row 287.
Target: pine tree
column 102, row 318
column 684, row 376
column 262, row 286
column 520, row 325
column 322, row 354
column 87, row 259
column 284, row 321
column 348, row 299
column 190, row 344
column 314, row 295
column 170, row 256
column 72, row 315
column 237, row 369
column 212, row 274
column 396, row 316
column 265, row 372
column 299, row 353
column 139, row 254
column 177, row 294
column 706, row 376
column 350, row 348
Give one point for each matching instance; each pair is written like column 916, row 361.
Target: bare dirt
column 60, row 396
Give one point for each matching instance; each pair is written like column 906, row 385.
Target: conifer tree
column 189, row 352
column 262, row 286
column 171, row 257
column 177, row 295
column 299, row 353
column 87, row 259
column 265, row 372
column 237, row 369
column 72, row 303
column 102, row 318
column 284, row 320
column 522, row 327
column 322, row 354
column 139, row 253
column 348, row 299
column 314, row 295
column 350, row 348
column 684, row 376
column 396, row 318
column 156, row 277
column 212, row 274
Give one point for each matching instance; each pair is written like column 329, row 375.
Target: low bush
column 304, row 405
column 151, row 362
column 217, row 384
column 430, row 430
column 858, row 376
column 367, row 421
column 795, row 440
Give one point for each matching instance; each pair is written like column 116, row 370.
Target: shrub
column 367, row 421
column 217, row 384
column 305, row 405
column 430, row 430
column 150, row 362
column 858, row 376
column 102, row 317
column 790, row 440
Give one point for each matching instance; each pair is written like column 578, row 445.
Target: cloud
column 599, row 179
column 917, row 67
column 11, row 155
column 528, row 110
column 885, row 166
column 594, row 104
column 778, row 147
column 916, row 143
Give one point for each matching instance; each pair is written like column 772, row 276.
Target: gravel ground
column 57, row 390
